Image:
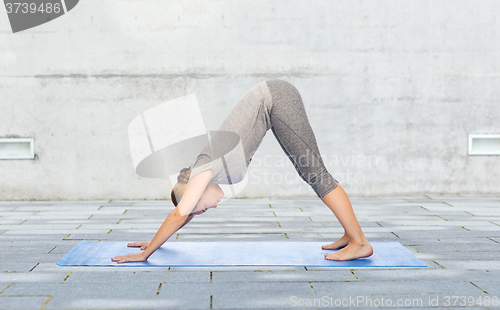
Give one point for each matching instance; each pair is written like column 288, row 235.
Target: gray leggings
column 291, row 128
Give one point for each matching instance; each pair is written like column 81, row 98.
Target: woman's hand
column 134, row 257
column 144, row 245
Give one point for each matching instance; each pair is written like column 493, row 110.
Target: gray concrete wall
column 392, row 89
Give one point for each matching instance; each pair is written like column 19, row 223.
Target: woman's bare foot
column 352, row 251
column 340, row 243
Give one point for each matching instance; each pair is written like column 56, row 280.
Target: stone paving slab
column 7, row 221
column 30, row 236
column 157, row 276
column 52, row 267
column 63, row 247
column 424, row 274
column 121, row 225
column 55, row 276
column 419, row 231
column 456, row 237
column 75, row 302
column 453, row 247
column 47, row 231
column 103, row 235
column 42, row 247
column 400, row 286
column 57, row 208
column 29, row 258
column 7, row 207
column 489, row 286
column 493, row 230
column 286, row 276
column 239, row 268
column 140, row 289
column 362, row 223
column 284, row 225
column 471, row 264
column 459, row 240
column 470, row 217
column 78, row 222
column 38, row 227
column 23, row 302
column 309, row 237
column 146, row 203
column 14, row 266
column 462, row 255
column 151, row 221
column 162, row 208
column 72, row 214
column 70, row 296
column 209, row 221
column 265, row 229
column 440, row 223
column 17, row 215
column 268, row 227
column 239, row 295
column 232, row 237
column 68, row 215
column 440, row 232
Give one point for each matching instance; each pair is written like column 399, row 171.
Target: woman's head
column 209, row 199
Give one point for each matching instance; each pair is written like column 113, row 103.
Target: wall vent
column 17, row 148
column 486, row 144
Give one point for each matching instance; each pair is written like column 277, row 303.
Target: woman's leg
column 291, row 128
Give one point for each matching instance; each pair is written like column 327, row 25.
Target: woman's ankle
column 359, row 240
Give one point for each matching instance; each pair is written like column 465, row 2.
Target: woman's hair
column 180, row 186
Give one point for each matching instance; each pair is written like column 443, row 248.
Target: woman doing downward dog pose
column 276, row 105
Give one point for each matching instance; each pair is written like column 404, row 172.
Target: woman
column 276, row 105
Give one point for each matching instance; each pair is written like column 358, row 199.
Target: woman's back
column 233, row 145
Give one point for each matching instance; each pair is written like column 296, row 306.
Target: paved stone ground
column 458, row 238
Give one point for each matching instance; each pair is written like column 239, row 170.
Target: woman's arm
column 144, row 244
column 176, row 219
column 189, row 218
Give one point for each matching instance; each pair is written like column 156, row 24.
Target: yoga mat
column 209, row 254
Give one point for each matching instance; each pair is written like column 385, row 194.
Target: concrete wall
column 392, row 89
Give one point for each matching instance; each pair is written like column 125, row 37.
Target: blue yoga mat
column 209, row 254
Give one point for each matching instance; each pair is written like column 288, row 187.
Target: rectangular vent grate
column 17, row 148
column 485, row 144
